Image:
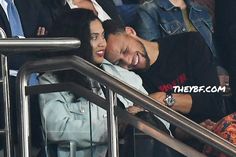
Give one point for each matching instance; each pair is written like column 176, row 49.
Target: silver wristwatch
column 169, row 100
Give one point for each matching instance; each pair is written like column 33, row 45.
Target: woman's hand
column 208, row 124
column 134, row 109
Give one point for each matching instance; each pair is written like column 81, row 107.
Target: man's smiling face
column 126, row 51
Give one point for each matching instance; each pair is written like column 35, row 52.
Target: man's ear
column 130, row 31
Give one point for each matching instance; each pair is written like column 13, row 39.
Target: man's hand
column 159, row 96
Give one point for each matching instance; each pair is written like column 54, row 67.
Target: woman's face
column 97, row 41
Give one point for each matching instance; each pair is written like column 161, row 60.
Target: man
column 183, row 60
column 161, row 18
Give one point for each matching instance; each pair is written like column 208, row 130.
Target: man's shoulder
column 188, row 35
column 177, row 38
column 115, row 69
column 192, row 38
column 192, row 35
column 122, row 74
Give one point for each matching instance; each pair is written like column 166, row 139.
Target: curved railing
column 113, row 85
column 11, row 46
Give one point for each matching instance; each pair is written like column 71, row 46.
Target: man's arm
column 183, row 102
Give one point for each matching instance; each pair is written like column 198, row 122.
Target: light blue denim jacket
column 64, row 119
column 160, row 18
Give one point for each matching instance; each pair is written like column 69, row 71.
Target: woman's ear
column 130, row 31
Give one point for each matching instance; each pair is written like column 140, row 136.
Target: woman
column 64, row 115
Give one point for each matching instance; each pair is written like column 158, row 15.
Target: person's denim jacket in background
column 160, row 18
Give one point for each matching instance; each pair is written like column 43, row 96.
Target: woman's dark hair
column 75, row 23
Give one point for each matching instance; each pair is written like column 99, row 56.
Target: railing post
column 72, row 149
column 6, row 101
column 7, row 106
column 112, row 125
column 24, row 142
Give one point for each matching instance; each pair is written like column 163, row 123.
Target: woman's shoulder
column 129, row 77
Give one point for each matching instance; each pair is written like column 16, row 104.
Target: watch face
column 169, row 100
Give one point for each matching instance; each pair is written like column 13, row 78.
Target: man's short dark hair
column 112, row 27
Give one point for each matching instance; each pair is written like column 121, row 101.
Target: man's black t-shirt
column 185, row 60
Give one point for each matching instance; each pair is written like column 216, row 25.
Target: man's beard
column 147, row 59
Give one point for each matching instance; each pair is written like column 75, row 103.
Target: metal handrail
column 146, row 102
column 122, row 114
column 11, row 46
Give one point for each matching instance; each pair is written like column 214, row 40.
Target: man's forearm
column 183, row 102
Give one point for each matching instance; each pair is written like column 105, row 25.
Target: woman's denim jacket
column 66, row 119
column 159, row 18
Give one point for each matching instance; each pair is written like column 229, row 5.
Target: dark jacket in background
column 225, row 33
column 4, row 24
column 57, row 7
column 32, row 14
